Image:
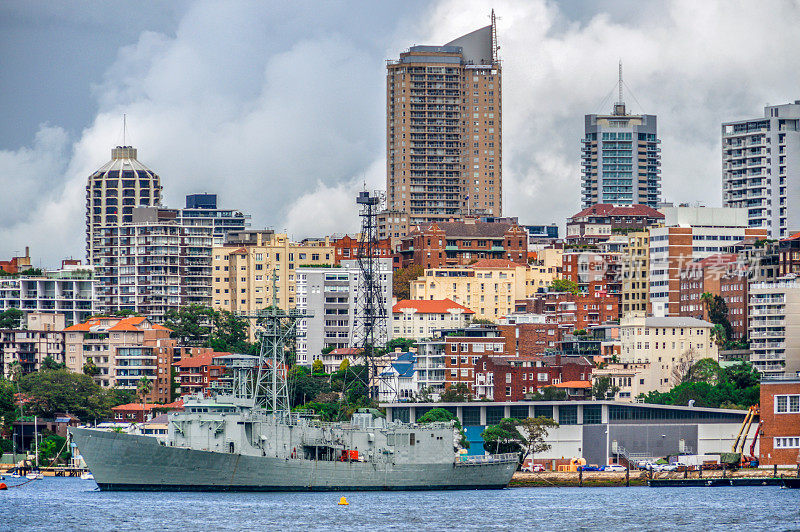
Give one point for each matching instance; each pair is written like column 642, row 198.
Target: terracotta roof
column 714, row 260
column 122, row 324
column 471, row 230
column 573, row 384
column 795, row 236
column 199, row 360
column 430, row 306
column 133, row 407
column 608, row 209
column 347, row 351
column 495, row 263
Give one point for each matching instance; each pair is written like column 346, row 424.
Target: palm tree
column 143, row 388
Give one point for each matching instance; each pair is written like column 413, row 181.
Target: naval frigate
column 244, row 437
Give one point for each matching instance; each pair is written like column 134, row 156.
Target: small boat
column 791, row 483
column 87, row 475
column 15, row 475
column 34, row 476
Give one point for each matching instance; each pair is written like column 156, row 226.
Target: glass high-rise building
column 761, row 168
column 444, row 130
column 621, row 159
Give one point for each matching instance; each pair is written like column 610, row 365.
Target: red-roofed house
column 789, row 255
column 195, row 374
column 596, row 223
column 141, row 412
column 123, row 350
column 420, row 319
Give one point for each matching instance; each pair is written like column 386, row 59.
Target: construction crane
column 741, row 438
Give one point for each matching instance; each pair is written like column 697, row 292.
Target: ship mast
column 277, row 334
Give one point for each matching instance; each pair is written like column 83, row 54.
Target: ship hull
column 127, row 462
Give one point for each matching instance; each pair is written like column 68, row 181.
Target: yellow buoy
column 343, row 501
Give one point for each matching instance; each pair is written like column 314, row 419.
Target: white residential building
column 761, row 168
column 420, row 319
column 69, row 291
column 774, row 328
column 668, row 344
column 331, row 295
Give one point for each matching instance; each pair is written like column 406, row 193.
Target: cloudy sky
column 278, row 107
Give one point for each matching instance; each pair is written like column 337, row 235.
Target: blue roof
column 404, row 364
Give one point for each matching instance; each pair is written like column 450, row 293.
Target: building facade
column 113, row 191
column 689, row 234
column 42, row 337
column 761, row 168
column 489, row 287
column 201, row 210
column 331, row 295
column 635, row 268
column 421, row 319
column 670, row 346
column 444, row 129
column 598, row 222
column 121, row 352
column 70, row 291
column 774, row 328
column 460, row 243
column 254, row 268
column 153, row 264
column 621, row 159
column 780, row 422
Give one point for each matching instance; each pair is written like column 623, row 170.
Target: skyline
column 217, row 104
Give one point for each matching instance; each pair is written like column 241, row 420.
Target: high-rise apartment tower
column 620, row 160
column 761, row 168
column 443, row 129
column 114, row 190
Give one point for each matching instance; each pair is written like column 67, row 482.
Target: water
column 74, row 504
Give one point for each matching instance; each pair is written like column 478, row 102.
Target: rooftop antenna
column 124, row 127
column 619, row 107
column 495, row 46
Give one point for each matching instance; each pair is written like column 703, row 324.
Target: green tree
column 401, row 281
column 11, row 318
column 717, row 313
column 456, row 393
column 440, row 415
column 564, row 285
column 54, row 391
column 536, row 430
column 344, row 365
column 49, row 448
column 482, row 321
column 504, row 437
column 602, row 389
column 8, row 407
column 90, row 369
column 704, row 370
column 143, row 388
column 229, row 333
column 549, row 393
column 317, row 367
column 50, row 363
column 402, row 343
column 32, row 272
column 190, row 324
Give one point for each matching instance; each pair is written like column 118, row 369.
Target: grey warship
column 245, row 438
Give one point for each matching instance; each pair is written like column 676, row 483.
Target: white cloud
column 283, row 116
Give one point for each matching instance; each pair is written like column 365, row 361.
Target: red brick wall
column 775, row 425
column 526, row 339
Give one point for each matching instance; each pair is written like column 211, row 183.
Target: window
column 543, row 377
column 592, row 414
column 787, row 404
column 568, row 415
column 790, row 442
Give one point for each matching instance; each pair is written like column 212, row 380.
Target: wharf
column 714, row 482
column 607, row 479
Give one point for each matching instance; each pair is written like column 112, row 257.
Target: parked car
column 665, row 467
column 644, row 465
column 615, row 467
column 589, row 468
column 535, row 468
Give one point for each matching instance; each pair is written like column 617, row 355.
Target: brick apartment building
column 459, row 243
column 719, row 275
column 195, row 374
column 346, row 248
column 463, row 349
column 594, row 272
column 516, row 378
column 572, row 311
column 789, row 255
column 780, row 422
column 16, row 264
column 528, row 339
column 42, row 336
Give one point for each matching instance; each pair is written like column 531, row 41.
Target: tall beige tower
column 114, row 190
column 444, row 130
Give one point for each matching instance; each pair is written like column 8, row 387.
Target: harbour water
column 75, row 504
